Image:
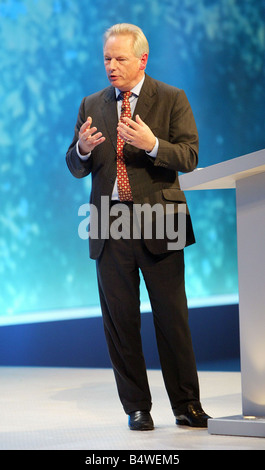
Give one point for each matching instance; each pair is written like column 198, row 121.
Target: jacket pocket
column 174, row 194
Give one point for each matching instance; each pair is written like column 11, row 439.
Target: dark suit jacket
column 166, row 110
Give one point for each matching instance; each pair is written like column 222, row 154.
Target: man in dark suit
column 134, row 144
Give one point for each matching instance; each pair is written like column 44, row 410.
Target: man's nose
column 113, row 64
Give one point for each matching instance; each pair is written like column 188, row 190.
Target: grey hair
column 140, row 43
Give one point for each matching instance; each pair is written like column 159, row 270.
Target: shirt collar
column 135, row 90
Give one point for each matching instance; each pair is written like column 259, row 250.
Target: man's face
column 124, row 69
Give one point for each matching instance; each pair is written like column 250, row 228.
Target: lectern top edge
column 225, row 174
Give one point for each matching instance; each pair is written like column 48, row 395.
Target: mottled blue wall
column 51, row 56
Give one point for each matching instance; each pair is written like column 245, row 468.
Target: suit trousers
column 118, row 279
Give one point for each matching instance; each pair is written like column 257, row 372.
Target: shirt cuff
column 83, row 157
column 154, row 150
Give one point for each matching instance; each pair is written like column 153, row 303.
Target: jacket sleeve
column 180, row 152
column 78, row 167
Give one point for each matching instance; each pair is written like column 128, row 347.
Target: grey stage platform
column 78, row 409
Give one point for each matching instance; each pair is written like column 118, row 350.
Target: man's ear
column 143, row 60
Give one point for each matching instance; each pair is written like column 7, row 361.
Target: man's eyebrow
column 118, row 57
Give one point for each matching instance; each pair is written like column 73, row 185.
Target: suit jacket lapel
column 110, row 115
column 146, row 98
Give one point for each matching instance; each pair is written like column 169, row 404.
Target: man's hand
column 137, row 133
column 89, row 138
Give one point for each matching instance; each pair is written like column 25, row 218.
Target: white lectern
column 247, row 175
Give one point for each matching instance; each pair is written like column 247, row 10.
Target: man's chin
column 115, row 81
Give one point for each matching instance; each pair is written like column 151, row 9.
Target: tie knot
column 125, row 95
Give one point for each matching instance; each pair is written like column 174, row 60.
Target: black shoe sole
column 185, row 422
column 141, row 428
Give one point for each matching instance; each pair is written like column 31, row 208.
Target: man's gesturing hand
column 137, row 133
column 89, row 138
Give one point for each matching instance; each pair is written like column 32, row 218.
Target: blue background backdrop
column 51, row 56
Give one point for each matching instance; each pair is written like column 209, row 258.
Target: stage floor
column 78, row 409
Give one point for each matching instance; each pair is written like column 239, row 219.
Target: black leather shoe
column 193, row 416
column 140, row 421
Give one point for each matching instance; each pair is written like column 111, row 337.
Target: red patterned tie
column 124, row 189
